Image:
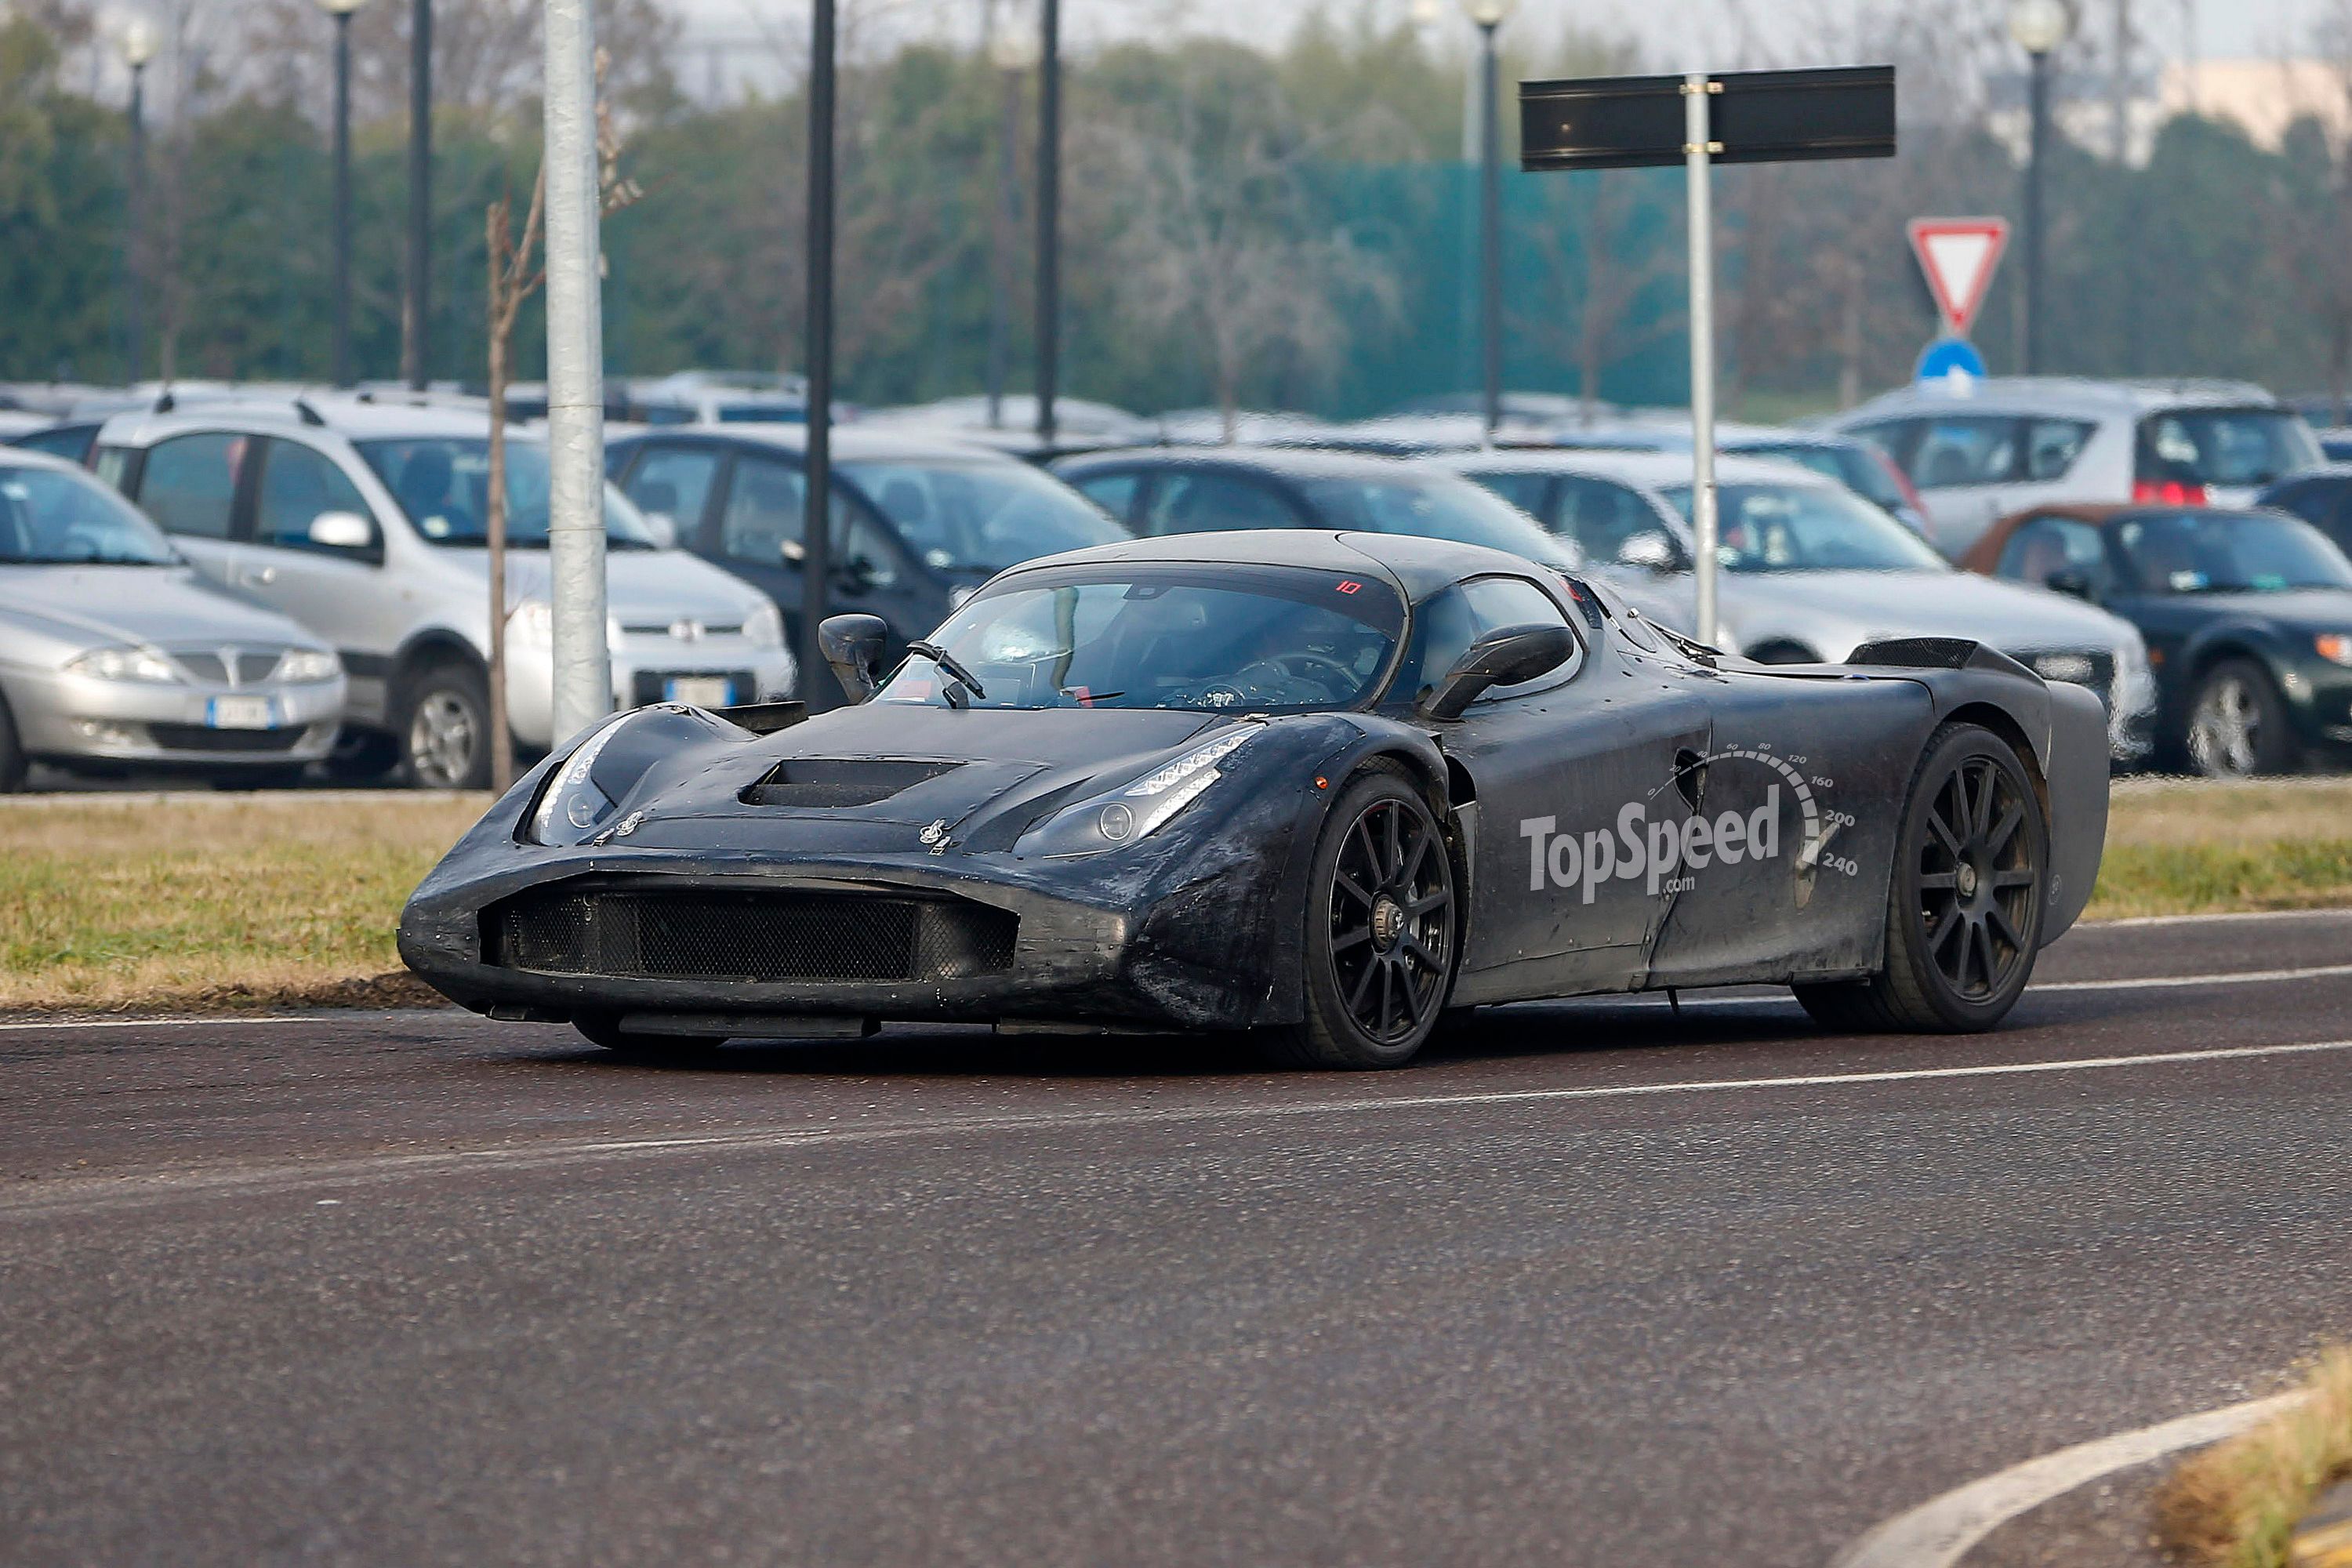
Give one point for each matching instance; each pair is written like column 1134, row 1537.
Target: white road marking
column 2228, row 918
column 218, row 1021
column 101, row 1191
column 1938, row 1534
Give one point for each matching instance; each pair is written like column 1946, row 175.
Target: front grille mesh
column 750, row 937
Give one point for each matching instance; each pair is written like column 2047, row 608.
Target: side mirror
column 2071, row 581
column 663, row 528
column 342, row 531
column 852, row 646
column 1648, row 552
column 1504, row 658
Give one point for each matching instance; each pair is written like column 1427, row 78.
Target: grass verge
column 2235, row 1505
column 288, row 900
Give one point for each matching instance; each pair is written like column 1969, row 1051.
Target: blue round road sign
column 1951, row 359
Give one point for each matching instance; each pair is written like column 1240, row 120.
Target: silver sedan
column 116, row 657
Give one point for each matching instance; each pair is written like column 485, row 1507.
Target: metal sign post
column 1739, row 117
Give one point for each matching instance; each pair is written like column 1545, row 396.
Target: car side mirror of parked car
column 664, row 529
column 852, row 646
column 1503, row 657
column 342, row 530
column 1648, row 552
column 2068, row 580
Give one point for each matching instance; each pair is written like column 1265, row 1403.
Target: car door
column 1574, row 780
column 197, row 488
column 675, row 484
column 757, row 531
column 337, row 591
column 1116, row 490
column 1964, row 466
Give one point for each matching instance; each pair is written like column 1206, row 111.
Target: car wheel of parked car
column 12, row 756
column 603, row 1029
column 2238, row 728
column 1964, row 907
column 1381, row 924
column 444, row 727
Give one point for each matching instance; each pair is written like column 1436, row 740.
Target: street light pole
column 2039, row 27
column 139, row 43
column 1489, row 15
column 342, row 11
column 816, row 530
column 416, row 320
column 1049, row 215
column 1010, row 53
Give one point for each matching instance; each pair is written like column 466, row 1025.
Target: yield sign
column 1959, row 255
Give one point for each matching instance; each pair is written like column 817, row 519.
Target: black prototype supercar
column 1325, row 787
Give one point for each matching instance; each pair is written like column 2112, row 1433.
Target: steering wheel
column 1334, row 678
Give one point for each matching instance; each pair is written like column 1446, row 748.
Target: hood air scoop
column 818, row 783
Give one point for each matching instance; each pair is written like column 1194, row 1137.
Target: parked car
column 73, row 439
column 2322, row 498
column 116, row 656
column 918, row 523
column 1227, row 489
column 1078, row 425
column 2336, row 445
column 1809, row 571
column 2248, row 617
column 1862, row 468
column 2016, row 442
column 368, row 528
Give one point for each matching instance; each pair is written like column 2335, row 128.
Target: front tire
column 443, row 727
column 1382, row 924
column 2238, row 727
column 1965, row 905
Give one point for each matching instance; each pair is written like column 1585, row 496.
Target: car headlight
column 572, row 806
column 765, row 627
column 2336, row 648
column 125, row 664
column 1129, row 814
column 308, row 666
column 532, row 624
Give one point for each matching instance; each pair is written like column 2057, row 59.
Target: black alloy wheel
column 1381, row 928
column 1963, row 909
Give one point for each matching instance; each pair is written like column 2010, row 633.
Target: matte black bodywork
column 1201, row 926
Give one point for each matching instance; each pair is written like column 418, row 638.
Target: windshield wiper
column 952, row 663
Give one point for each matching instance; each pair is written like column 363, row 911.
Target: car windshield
column 1432, row 507
column 2227, row 552
column 2224, row 447
column 1809, row 527
column 52, row 518
column 981, row 517
column 1255, row 639
column 1851, row 467
column 443, row 483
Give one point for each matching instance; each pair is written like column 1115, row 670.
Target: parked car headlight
column 308, row 666
column 765, row 627
column 2135, row 680
column 1131, row 813
column 126, row 664
column 573, row 807
column 2336, row 648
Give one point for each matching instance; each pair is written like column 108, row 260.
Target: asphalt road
column 1592, row 1286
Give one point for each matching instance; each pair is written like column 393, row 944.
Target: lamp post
column 341, row 10
column 2039, row 27
column 1012, row 52
column 816, row 533
column 141, row 43
column 418, row 319
column 1490, row 14
column 1049, row 215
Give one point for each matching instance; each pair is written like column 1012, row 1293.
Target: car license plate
column 241, row 713
column 701, row 691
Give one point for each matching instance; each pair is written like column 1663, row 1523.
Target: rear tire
column 661, row 1050
column 1964, row 904
column 1382, row 920
column 442, row 725
column 2237, row 727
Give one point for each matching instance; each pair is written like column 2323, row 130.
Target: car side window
column 1528, row 493
column 189, row 483
column 2052, row 446
column 763, row 525
column 1603, row 517
column 675, row 482
column 1215, row 503
column 1113, row 491
column 2044, row 547
column 300, row 485
column 1966, row 450
column 1448, row 623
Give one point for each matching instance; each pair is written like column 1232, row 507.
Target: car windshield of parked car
column 1437, row 507
column 443, row 483
column 52, row 518
column 1227, row 638
column 2227, row 552
column 1855, row 468
column 2242, row 446
column 981, row 517
column 1809, row 527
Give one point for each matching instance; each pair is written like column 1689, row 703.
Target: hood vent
column 822, row 782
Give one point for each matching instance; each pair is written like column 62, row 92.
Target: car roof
column 1291, row 462
column 2067, row 394
column 851, row 443
column 1420, row 567
column 350, row 418
column 1653, row 470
